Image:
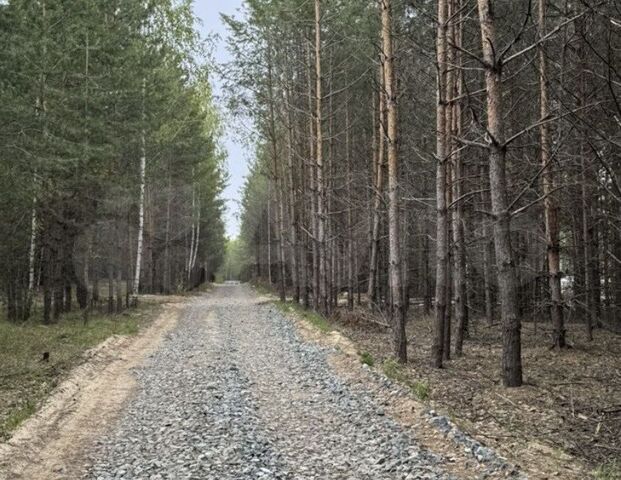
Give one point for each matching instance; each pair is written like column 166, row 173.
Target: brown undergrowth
column 567, row 416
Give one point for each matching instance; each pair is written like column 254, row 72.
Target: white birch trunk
column 143, row 169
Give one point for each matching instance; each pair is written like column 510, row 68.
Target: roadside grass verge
column 262, row 289
column 313, row 318
column 608, row 471
column 396, row 372
column 34, row 357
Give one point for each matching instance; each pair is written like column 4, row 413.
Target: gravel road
column 234, row 393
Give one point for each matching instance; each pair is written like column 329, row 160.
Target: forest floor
column 35, row 358
column 567, row 416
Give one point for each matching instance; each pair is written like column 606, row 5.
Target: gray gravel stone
column 233, row 393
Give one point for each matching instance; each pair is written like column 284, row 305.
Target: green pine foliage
column 81, row 83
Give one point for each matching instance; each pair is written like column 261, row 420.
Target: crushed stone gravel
column 234, row 393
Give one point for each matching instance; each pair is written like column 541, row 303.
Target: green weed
column 393, row 370
column 367, row 359
column 315, row 319
column 421, row 390
column 608, row 471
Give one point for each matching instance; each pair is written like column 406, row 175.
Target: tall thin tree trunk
column 460, row 291
column 550, row 202
column 321, row 214
column 269, row 231
column 293, row 213
column 377, row 198
column 442, row 241
column 397, row 310
column 304, row 221
column 197, row 233
column 141, row 200
column 488, row 254
column 448, row 319
column 280, row 221
column 507, row 275
column 277, row 183
column 312, row 167
column 167, row 272
column 350, row 213
column 188, row 261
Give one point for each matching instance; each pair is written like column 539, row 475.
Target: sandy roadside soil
column 52, row 443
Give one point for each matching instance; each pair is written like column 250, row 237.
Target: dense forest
column 111, row 172
column 457, row 156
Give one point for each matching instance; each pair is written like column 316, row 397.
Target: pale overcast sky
column 209, row 12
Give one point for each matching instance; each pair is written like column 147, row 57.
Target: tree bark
column 507, row 276
column 397, row 310
column 459, row 245
column 378, row 167
column 350, row 214
column 321, row 214
column 293, row 210
column 141, row 199
column 550, row 203
column 442, row 242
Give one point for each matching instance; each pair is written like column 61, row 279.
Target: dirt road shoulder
column 51, row 444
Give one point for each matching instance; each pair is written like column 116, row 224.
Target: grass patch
column 393, row 370
column 17, row 416
column 26, row 379
column 421, row 390
column 367, row 359
column 262, row 289
column 608, row 471
column 315, row 319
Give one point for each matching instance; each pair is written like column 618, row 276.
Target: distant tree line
column 110, row 171
column 463, row 154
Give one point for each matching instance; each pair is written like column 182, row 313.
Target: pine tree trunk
column 269, row 231
column 488, row 276
column 321, row 214
column 377, row 199
column 442, row 241
column 350, row 213
column 312, row 180
column 507, row 276
column 304, row 265
column 448, row 319
column 550, row 202
column 167, row 266
column 293, row 213
column 280, row 213
column 277, row 183
column 459, row 261
column 397, row 310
